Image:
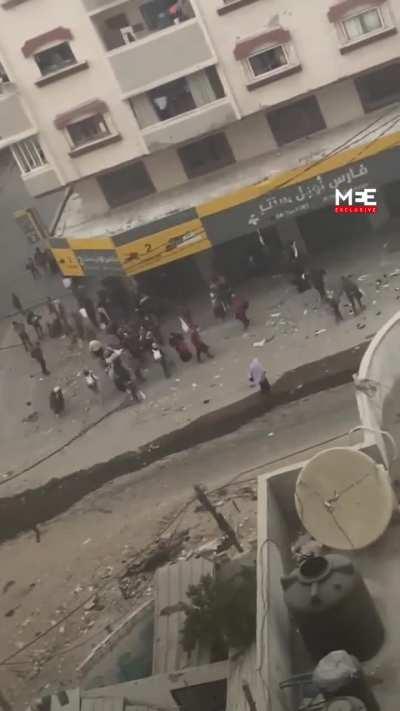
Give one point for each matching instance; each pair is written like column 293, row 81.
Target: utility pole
column 221, row 521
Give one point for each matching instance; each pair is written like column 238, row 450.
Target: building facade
column 198, row 129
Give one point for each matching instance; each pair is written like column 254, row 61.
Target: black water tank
column 333, row 608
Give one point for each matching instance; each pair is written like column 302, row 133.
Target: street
column 77, row 551
column 287, row 330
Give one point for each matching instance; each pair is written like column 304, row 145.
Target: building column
column 289, row 231
column 204, row 261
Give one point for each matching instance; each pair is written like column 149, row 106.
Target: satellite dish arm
column 395, row 450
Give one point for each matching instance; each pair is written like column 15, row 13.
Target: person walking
column 199, row 345
column 160, row 357
column 20, row 330
column 34, row 320
column 16, row 302
column 258, row 376
column 56, row 401
column 240, row 307
column 224, row 290
column 317, row 279
column 39, row 259
column 37, row 354
column 87, row 304
column 178, row 342
column 32, row 268
column 218, row 307
column 353, row 293
column 120, row 375
column 91, row 380
column 333, row 301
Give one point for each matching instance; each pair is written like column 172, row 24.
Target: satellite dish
column 344, row 499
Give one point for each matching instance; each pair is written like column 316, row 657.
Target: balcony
column 189, row 125
column 121, row 22
column 176, row 51
column 13, row 118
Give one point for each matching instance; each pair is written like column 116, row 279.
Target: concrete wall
column 315, row 40
column 162, row 56
column 155, row 691
column 42, row 181
column 381, row 366
column 13, row 117
column 193, row 124
column 274, row 654
column 28, row 20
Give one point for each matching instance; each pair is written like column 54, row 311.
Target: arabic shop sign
column 315, row 193
column 96, row 262
column 294, row 201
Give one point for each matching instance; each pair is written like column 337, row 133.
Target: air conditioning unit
column 128, row 34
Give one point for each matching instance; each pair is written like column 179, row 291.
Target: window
column 159, row 14
column 177, row 97
column 267, row 60
column 54, row 59
column 296, row 120
column 206, row 155
column 126, row 184
column 87, row 130
column 172, row 99
column 29, row 155
column 380, row 87
column 359, row 25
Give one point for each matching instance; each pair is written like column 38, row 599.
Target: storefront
column 245, row 223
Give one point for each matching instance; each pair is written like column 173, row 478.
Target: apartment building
column 196, row 130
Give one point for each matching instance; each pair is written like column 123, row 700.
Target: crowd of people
column 125, row 335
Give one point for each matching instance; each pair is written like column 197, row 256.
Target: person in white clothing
column 258, row 376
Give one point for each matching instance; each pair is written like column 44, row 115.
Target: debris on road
column 321, row 330
column 32, row 417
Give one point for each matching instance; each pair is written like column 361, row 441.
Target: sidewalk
column 297, row 330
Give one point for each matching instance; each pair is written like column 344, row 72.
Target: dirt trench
column 26, row 510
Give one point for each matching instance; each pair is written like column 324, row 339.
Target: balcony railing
column 128, row 21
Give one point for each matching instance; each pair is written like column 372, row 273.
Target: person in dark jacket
column 240, row 307
column 56, row 401
column 177, row 341
column 317, row 278
column 199, row 345
column 353, row 293
column 34, row 320
column 37, row 354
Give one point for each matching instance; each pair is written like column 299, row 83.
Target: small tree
column 221, row 613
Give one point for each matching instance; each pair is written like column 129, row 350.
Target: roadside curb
column 26, row 510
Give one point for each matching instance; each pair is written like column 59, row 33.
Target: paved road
column 124, row 516
column 301, row 330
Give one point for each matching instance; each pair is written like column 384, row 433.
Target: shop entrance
column 254, row 254
column 178, row 281
column 325, row 232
